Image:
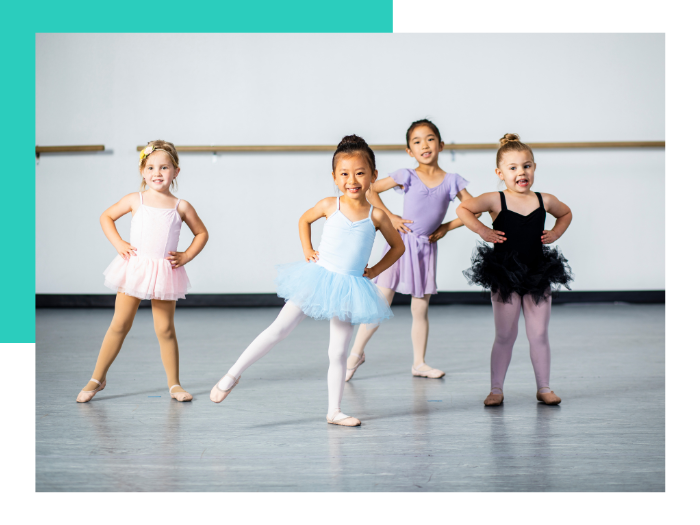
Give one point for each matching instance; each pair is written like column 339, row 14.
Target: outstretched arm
column 310, row 216
column 455, row 223
column 396, row 246
column 373, row 197
column 468, row 209
column 111, row 214
column 201, row 236
column 563, row 215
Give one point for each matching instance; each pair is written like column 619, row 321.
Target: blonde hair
column 511, row 142
column 160, row 145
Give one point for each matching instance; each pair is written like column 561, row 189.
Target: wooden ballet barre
column 64, row 149
column 401, row 147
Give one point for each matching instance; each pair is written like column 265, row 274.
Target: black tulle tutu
column 503, row 273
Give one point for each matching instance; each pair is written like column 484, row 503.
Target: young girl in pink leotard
column 428, row 191
column 149, row 265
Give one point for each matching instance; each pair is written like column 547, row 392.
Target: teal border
column 22, row 22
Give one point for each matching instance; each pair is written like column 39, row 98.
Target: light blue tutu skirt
column 322, row 294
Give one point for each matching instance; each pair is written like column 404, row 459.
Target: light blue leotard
column 345, row 245
column 334, row 286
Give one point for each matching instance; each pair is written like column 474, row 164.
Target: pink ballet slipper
column 217, row 395
column 494, row 400
column 86, row 395
column 346, row 421
column 351, row 371
column 180, row 396
column 433, row 373
column 548, row 398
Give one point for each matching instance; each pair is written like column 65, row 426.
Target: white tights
column 419, row 328
column 290, row 316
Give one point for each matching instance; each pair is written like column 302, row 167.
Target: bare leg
column 341, row 333
column 506, row 317
column 365, row 332
column 537, row 328
column 289, row 317
column 164, row 324
column 125, row 307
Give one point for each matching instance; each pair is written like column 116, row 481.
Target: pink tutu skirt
column 147, row 278
column 414, row 272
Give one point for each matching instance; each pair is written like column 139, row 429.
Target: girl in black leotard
column 519, row 269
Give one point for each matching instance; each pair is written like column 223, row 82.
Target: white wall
column 123, row 90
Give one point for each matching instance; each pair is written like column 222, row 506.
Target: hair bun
column 353, row 140
column 509, row 137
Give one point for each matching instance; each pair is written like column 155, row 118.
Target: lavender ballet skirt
column 414, row 272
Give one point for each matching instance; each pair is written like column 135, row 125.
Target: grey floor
column 416, row 434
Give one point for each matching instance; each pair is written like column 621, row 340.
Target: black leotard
column 521, row 264
column 523, row 232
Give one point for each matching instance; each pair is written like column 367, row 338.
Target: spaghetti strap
column 503, row 201
column 141, row 196
column 371, row 207
column 177, row 204
column 539, row 197
column 337, row 200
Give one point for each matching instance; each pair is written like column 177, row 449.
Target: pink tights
column 506, row 316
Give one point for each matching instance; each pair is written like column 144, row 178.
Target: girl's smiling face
column 159, row 171
column 353, row 176
column 517, row 170
column 424, row 145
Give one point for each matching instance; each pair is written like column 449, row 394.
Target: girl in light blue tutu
column 334, row 282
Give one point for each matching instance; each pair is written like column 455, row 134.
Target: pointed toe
column 86, row 395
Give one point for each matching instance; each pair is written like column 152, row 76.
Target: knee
column 538, row 335
column 419, row 310
column 120, row 328
column 277, row 333
column 338, row 353
column 165, row 330
column 503, row 337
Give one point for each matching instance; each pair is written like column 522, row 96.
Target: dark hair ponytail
column 352, row 144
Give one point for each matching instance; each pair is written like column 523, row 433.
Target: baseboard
column 270, row 299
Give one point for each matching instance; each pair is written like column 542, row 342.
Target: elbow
column 400, row 249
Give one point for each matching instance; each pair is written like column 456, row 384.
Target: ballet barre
column 65, row 149
column 401, row 147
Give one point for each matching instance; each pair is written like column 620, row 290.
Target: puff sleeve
column 403, row 178
column 457, row 184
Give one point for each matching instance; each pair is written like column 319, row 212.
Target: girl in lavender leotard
column 428, row 190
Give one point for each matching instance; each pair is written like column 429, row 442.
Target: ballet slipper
column 86, row 395
column 351, row 371
column 433, row 373
column 217, row 395
column 346, row 421
column 548, row 398
column 180, row 396
column 494, row 400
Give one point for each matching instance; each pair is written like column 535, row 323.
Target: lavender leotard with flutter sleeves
column 414, row 272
